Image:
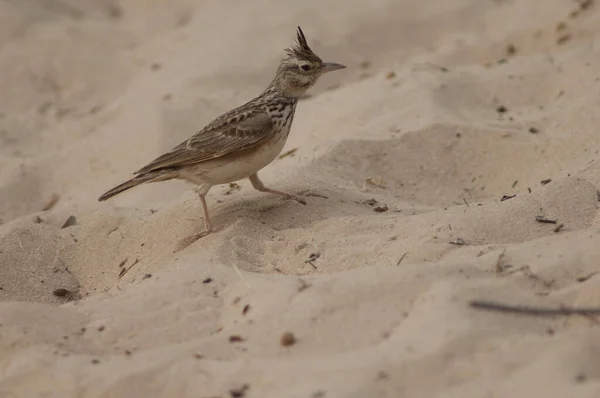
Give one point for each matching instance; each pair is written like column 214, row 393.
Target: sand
column 430, row 149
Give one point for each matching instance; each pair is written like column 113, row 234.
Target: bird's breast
column 282, row 116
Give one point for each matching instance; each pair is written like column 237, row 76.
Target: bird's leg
column 258, row 185
column 185, row 242
column 207, row 225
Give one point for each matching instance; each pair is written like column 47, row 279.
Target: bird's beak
column 331, row 66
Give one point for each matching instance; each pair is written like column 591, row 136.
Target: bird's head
column 301, row 68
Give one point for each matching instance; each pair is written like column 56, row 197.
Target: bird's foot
column 308, row 192
column 285, row 195
column 188, row 240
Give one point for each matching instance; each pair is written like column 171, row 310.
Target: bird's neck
column 282, row 87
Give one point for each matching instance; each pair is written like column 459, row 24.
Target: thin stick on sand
column 534, row 311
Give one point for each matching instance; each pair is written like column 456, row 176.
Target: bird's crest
column 301, row 50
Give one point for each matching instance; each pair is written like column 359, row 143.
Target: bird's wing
column 232, row 132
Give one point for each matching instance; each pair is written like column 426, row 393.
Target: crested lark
column 239, row 143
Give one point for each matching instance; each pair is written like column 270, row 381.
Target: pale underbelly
column 236, row 166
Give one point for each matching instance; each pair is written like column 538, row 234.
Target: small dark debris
column 533, row 130
column 155, row 66
column 581, row 378
column 458, row 242
column 390, row 75
column 546, row 181
column 401, row 258
column 72, row 220
column 44, row 107
column 319, row 394
column 101, row 328
column 550, row 331
column 287, row 339
column 514, row 184
column 146, row 276
column 364, row 64
column 95, row 361
column 127, row 353
column 585, row 4
column 114, row 11
column 239, row 392
column 95, row 109
column 381, row 209
column 207, row 280
column 545, row 220
column 288, row 153
column 598, row 195
column 370, row 202
column 501, row 109
column 236, row 338
column 381, row 375
column 38, row 220
column 585, row 277
column 246, row 309
column 61, row 292
column 303, row 285
column 528, row 190
column 313, row 257
column 562, row 39
column 507, row 197
column 559, row 227
column 198, row 356
column 126, row 270
column 61, row 113
column 511, row 49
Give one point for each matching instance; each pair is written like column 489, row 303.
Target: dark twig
column 537, row 311
column 458, row 242
column 545, row 220
column 401, row 258
column 126, row 270
column 499, row 267
column 313, row 257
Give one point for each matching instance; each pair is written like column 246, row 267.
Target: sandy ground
column 445, row 108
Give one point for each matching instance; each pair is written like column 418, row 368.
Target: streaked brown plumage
column 239, row 143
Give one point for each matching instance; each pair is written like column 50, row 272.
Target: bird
column 239, row 143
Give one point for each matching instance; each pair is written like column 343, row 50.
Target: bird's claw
column 188, row 240
column 299, row 199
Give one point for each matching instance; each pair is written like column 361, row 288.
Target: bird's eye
column 305, row 67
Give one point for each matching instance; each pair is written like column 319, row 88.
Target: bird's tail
column 135, row 181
